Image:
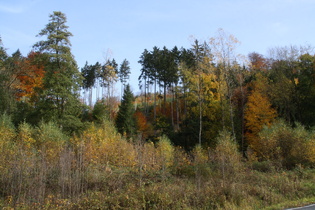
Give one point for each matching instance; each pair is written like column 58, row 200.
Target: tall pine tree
column 60, row 96
column 124, row 72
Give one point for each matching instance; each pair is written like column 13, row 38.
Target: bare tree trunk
column 90, row 96
column 172, row 109
column 177, row 110
column 154, row 100
column 242, row 110
column 200, row 111
column 232, row 116
column 97, row 90
column 164, row 109
column 185, row 103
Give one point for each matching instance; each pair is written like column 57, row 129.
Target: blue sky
column 127, row 27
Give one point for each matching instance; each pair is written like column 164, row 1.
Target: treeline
column 189, row 95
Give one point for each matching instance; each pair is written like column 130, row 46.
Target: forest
column 211, row 129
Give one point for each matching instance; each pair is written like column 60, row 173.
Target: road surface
column 309, row 207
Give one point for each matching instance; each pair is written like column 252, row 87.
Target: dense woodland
column 211, row 128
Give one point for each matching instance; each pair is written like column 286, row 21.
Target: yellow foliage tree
column 203, row 96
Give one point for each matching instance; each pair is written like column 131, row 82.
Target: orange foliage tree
column 143, row 126
column 258, row 62
column 30, row 77
column 258, row 112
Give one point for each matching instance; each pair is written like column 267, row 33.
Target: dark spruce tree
column 59, row 100
column 125, row 122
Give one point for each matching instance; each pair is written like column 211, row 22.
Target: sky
column 122, row 29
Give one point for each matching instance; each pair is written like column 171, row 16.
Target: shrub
column 166, row 151
column 7, row 130
column 50, row 141
column 182, row 164
column 100, row 111
column 104, row 146
column 25, row 137
column 7, row 146
column 226, row 155
column 286, row 145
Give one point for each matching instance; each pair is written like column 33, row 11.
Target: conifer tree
column 60, row 97
column 89, row 73
column 125, row 122
column 124, row 72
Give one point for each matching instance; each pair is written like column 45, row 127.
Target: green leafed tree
column 6, row 98
column 60, row 96
column 305, row 87
column 125, row 122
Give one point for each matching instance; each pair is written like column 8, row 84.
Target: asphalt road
column 309, row 207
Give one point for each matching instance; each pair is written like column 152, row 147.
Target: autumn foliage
column 30, row 77
column 258, row 113
column 142, row 124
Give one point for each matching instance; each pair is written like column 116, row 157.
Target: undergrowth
column 40, row 168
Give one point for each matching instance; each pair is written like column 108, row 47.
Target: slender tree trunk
column 154, row 100
column 229, row 92
column 232, row 116
column 164, row 87
column 185, row 102
column 84, row 97
column 221, row 98
column 108, row 101
column 177, row 109
column 97, row 90
column 172, row 109
column 121, row 90
column 200, row 110
column 145, row 97
column 242, row 110
column 90, row 96
column 102, row 91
